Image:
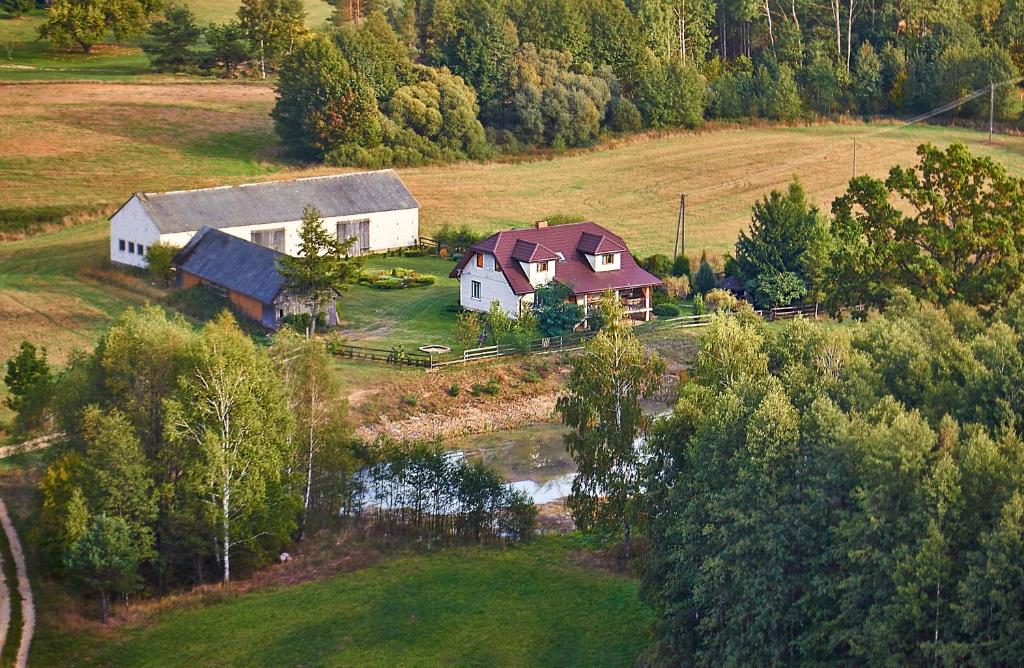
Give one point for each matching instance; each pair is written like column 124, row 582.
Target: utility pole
column 680, row 228
column 991, row 109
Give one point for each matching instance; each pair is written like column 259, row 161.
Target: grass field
column 456, row 607
column 88, row 146
column 23, row 57
column 410, row 318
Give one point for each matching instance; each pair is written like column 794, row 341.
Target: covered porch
column 637, row 302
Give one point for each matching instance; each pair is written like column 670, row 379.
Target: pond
column 533, row 459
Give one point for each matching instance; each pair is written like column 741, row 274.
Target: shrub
column 677, row 287
column 705, row 280
column 300, row 322
column 681, row 266
column 699, row 307
column 456, row 240
column 159, row 257
column 410, row 400
column 721, row 300
column 398, row 278
column 453, row 390
column 665, row 310
column 531, row 376
column 658, row 264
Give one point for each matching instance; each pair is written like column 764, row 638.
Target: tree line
column 410, row 81
column 192, row 455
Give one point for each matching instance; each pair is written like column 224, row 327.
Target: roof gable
column 233, row 263
column 277, row 201
column 574, row 270
column 531, row 251
column 592, row 243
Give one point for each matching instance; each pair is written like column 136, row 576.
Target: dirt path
column 28, row 610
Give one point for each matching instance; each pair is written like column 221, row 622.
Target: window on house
column 475, row 289
column 131, row 247
column 120, row 245
column 269, row 239
column 141, row 249
column 542, row 266
column 608, row 258
column 480, row 260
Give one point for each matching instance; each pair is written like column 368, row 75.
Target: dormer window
column 542, row 266
column 608, row 258
column 480, row 260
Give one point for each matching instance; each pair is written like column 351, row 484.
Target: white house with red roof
column 507, row 267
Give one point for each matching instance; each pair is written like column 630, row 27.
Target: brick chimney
column 540, row 224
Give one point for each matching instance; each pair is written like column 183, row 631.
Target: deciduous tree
column 602, row 407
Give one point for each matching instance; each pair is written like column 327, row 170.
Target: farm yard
column 79, row 149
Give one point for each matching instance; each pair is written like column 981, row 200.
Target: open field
column 86, row 147
column 454, row 607
column 23, row 57
column 94, row 144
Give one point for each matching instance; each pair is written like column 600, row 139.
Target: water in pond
column 534, row 459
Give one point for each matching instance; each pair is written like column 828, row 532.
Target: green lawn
column 410, row 318
column 529, row 605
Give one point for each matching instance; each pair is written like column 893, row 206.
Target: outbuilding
column 244, row 273
column 375, row 208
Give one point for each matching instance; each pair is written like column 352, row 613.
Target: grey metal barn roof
column 233, row 263
column 277, row 201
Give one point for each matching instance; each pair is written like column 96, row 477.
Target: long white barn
column 374, row 207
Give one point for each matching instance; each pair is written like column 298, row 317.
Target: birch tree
column 322, row 435
column 230, row 410
column 602, row 407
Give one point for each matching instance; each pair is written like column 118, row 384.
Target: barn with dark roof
column 508, row 266
column 246, row 274
column 374, row 209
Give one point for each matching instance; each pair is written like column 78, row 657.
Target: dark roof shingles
column 233, row 263
column 574, row 270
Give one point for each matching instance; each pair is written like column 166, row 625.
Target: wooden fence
column 543, row 346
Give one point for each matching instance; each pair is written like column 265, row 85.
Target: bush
column 531, row 376
column 159, row 257
column 491, row 388
column 677, row 287
column 705, row 280
column 398, row 278
column 300, row 322
column 658, row 264
column 681, row 266
column 453, row 390
column 410, row 400
column 699, row 307
column 456, row 240
column 721, row 300
column 666, row 310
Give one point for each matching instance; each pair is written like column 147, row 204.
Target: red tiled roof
column 531, row 251
column 574, row 270
column 596, row 244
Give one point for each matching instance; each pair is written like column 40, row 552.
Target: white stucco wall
column 493, row 287
column 132, row 225
column 596, row 265
column 536, row 276
column 388, row 230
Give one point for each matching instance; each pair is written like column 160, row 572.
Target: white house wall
column 131, row 224
column 388, row 230
column 493, row 287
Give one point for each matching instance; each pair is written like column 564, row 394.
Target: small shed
column 244, row 273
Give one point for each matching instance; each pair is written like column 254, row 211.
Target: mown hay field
column 87, row 146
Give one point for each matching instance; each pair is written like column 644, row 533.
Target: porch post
column 647, row 303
